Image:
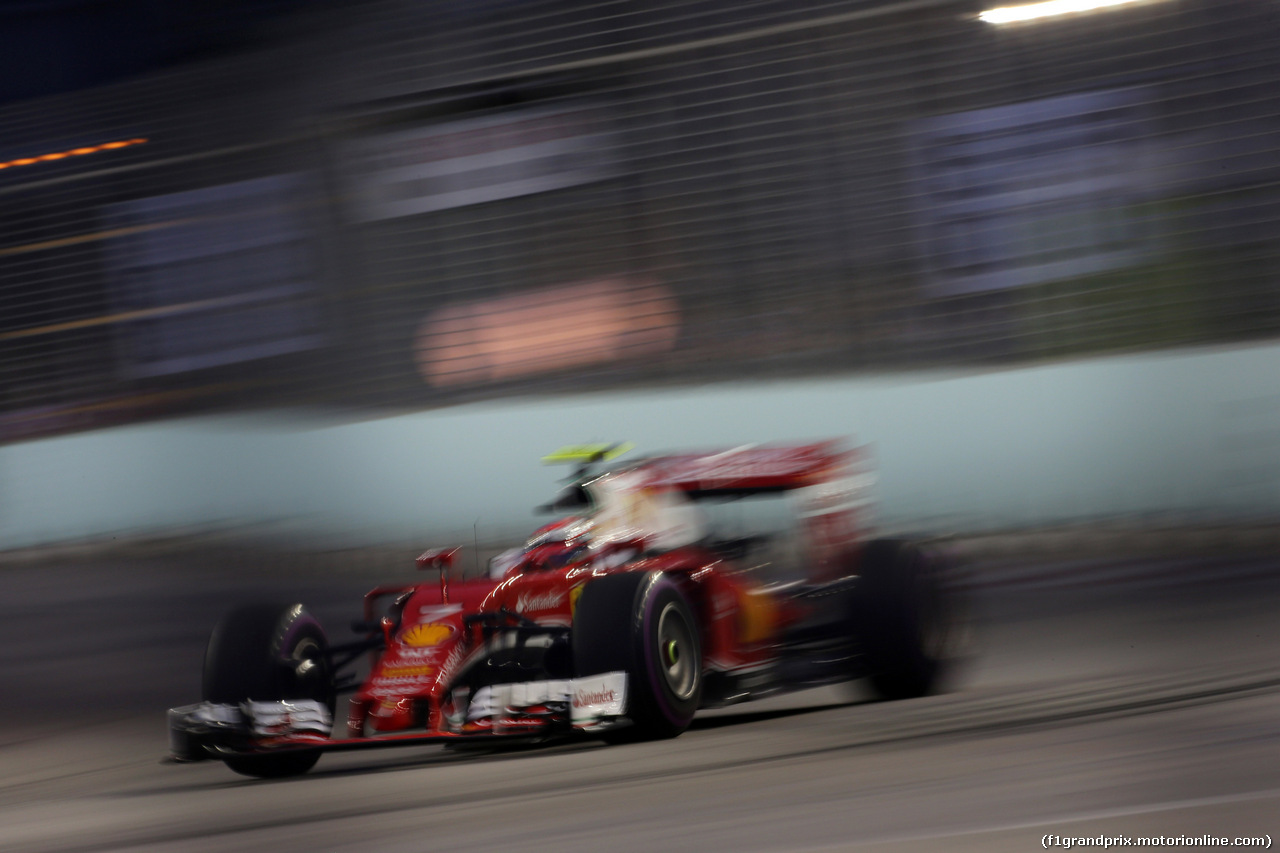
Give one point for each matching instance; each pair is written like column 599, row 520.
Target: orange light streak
column 74, row 152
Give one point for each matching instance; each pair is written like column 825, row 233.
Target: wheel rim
column 676, row 652
column 307, row 671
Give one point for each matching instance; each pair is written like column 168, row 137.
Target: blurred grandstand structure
column 396, row 205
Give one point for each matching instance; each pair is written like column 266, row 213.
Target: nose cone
column 391, row 715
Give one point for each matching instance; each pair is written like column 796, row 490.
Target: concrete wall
column 1194, row 432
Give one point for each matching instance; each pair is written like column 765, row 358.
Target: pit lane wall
column 1194, row 433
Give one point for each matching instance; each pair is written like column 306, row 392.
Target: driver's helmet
column 558, row 544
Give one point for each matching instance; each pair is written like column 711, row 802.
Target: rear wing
column 751, row 468
column 649, row 501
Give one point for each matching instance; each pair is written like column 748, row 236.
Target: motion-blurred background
column 335, row 273
column 390, row 206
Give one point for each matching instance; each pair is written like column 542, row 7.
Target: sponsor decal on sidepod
column 539, row 601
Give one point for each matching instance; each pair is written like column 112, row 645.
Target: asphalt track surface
column 1108, row 698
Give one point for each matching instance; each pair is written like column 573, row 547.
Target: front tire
column 268, row 653
column 641, row 623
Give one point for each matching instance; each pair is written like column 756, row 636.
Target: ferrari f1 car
column 668, row 584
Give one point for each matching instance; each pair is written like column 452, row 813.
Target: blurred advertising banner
column 211, row 277
column 470, row 161
column 1034, row 192
column 545, row 330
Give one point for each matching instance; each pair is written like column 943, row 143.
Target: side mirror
column 437, row 558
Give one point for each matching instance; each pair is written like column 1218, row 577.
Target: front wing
column 529, row 709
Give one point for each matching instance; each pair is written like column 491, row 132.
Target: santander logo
column 584, row 698
column 541, row 601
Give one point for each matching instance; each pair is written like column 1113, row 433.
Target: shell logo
column 428, row 634
column 574, row 595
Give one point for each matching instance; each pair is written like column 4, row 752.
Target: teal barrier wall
column 1194, row 433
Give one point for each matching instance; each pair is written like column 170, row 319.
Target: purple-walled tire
column 641, row 623
column 269, row 652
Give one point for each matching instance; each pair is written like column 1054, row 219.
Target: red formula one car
column 670, row 584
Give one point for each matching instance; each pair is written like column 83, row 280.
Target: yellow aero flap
column 587, row 452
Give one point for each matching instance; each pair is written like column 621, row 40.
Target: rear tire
column 905, row 618
column 268, row 653
column 641, row 623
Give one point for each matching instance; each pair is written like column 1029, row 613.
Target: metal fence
column 412, row 204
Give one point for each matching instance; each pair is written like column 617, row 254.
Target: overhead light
column 1031, row 11
column 541, row 331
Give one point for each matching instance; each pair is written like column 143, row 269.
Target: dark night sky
column 49, row 46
